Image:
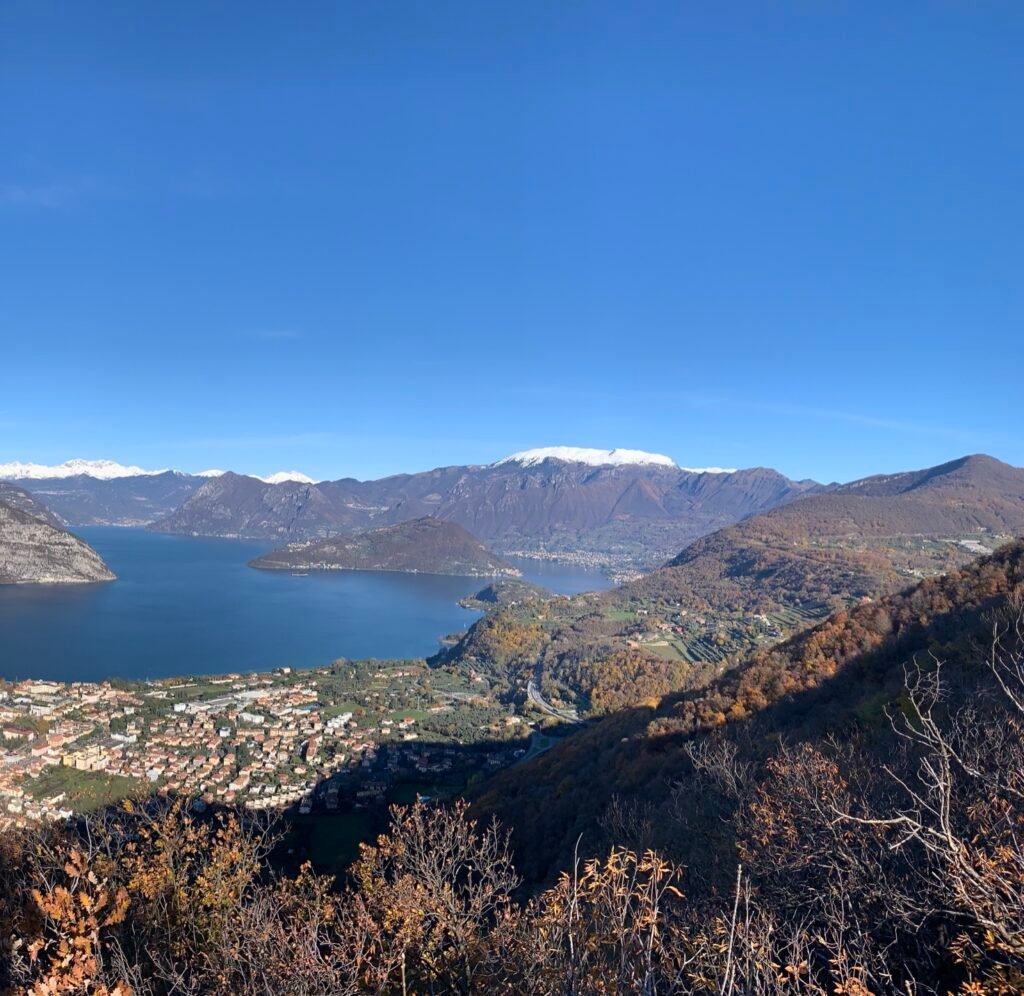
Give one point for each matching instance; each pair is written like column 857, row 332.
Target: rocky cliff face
column 33, row 551
column 17, row 497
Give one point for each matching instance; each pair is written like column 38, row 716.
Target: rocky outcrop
column 33, row 551
column 17, row 497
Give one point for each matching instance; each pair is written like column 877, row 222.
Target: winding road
column 534, row 695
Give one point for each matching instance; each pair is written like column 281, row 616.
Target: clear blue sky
column 358, row 238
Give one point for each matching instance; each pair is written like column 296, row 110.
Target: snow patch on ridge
column 283, row 476
column 581, row 454
column 108, row 470
column 102, row 470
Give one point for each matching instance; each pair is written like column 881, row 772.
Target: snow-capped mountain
column 285, row 476
column 110, row 470
column 281, row 477
column 603, row 458
column 558, row 499
column 591, row 457
column 101, row 470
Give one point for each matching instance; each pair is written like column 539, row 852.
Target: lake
column 183, row 606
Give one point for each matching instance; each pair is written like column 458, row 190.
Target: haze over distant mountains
column 625, row 506
column 103, row 492
column 106, row 470
column 622, row 504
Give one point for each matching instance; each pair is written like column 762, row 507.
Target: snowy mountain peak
column 102, row 470
column 580, row 454
column 283, row 476
column 108, row 470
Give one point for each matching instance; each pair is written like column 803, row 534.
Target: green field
column 85, row 790
column 666, row 651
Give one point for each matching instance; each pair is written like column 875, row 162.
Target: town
column 348, row 736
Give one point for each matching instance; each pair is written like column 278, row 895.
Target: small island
column 504, row 594
column 420, row 546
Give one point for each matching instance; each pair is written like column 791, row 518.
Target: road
column 534, row 695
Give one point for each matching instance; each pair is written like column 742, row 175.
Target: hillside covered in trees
column 851, row 829
column 425, row 545
column 750, row 585
column 836, row 680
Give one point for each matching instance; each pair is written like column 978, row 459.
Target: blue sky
column 360, row 238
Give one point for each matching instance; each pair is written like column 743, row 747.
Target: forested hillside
column 752, row 584
column 836, row 679
column 424, row 545
column 851, row 829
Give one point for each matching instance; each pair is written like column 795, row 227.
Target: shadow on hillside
column 554, row 796
column 556, row 804
column 351, row 804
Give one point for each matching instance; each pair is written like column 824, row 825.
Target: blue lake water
column 192, row 606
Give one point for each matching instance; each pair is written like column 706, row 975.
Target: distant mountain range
column 104, row 493
column 101, row 470
column 427, row 545
column 136, row 500
column 629, row 510
column 107, row 470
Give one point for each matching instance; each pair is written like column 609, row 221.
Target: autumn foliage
column 874, row 858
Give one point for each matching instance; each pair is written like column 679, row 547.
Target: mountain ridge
column 111, row 470
column 760, row 579
column 627, row 511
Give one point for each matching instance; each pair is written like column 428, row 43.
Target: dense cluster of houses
column 263, row 743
